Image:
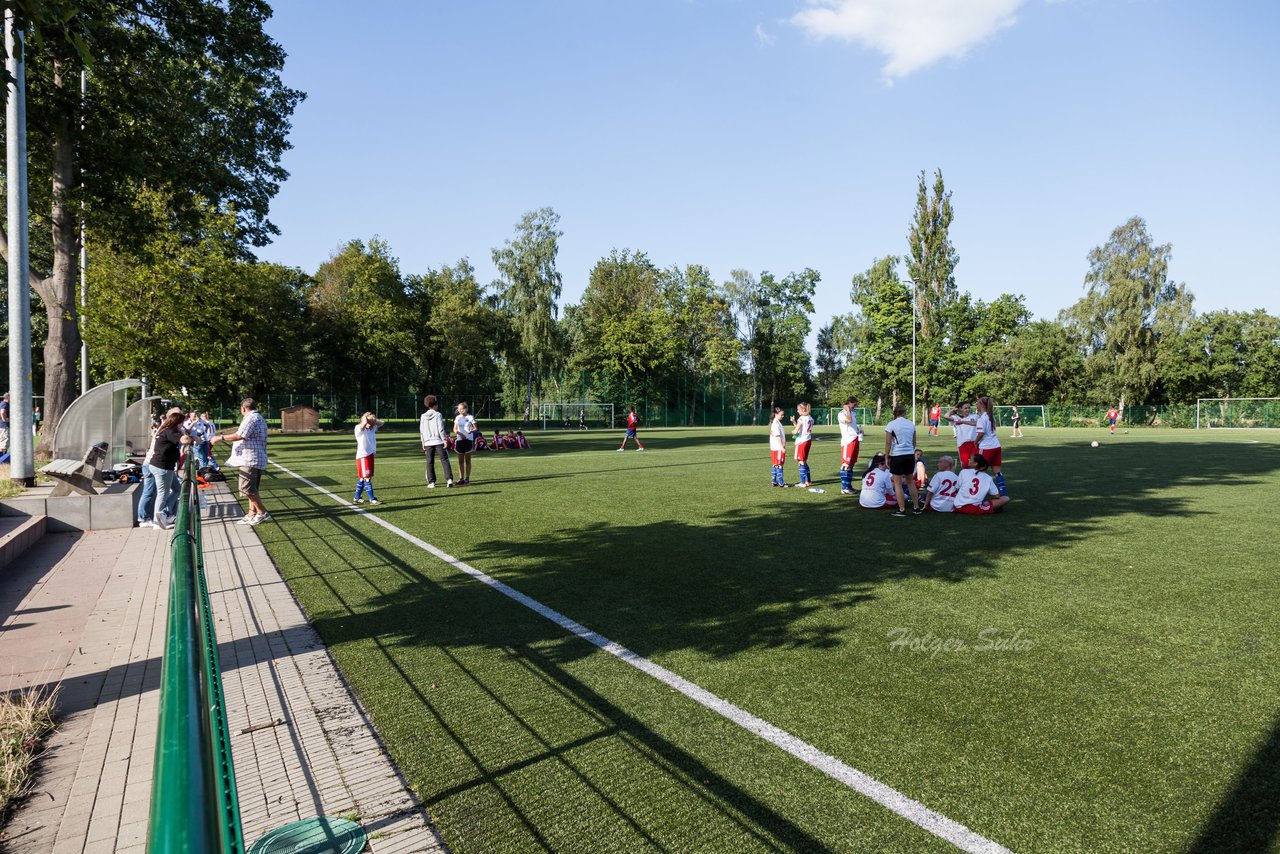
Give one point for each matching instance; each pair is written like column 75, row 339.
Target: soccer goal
column 576, row 416
column 1238, row 413
column 831, row 417
column 1033, row 415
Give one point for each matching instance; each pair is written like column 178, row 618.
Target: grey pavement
column 87, row 612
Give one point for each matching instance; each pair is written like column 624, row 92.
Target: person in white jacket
column 431, row 431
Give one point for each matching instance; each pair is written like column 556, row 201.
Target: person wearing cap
column 4, row 423
column 252, row 438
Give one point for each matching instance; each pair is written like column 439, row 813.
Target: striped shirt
column 253, row 434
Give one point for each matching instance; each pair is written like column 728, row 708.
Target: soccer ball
column 1094, row 443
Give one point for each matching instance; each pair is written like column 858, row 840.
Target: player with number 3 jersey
column 977, row 494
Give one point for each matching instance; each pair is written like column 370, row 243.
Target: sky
column 774, row 135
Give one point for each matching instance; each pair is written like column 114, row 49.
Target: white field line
column 913, row 811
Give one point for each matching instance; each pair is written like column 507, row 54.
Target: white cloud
column 912, row 34
column 765, row 39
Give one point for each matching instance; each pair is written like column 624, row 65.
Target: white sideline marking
column 913, row 811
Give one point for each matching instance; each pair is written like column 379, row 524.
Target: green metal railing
column 193, row 795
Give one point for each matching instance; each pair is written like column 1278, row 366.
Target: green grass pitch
column 1132, row 706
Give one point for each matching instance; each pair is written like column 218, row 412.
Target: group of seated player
column 972, row 491
column 511, row 441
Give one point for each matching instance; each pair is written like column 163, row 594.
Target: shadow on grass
column 753, row 578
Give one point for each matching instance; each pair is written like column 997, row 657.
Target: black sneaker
column 899, row 514
column 917, row 509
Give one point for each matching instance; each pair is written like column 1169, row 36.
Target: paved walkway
column 88, row 611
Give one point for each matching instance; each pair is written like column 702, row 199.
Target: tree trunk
column 58, row 291
column 528, row 397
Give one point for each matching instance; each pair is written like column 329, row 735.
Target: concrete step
column 17, row 534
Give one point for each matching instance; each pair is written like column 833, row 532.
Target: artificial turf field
column 1116, row 689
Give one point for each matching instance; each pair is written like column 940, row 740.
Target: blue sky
column 782, row 134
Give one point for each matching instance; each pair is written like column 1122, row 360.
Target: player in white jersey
column 877, row 486
column 777, row 446
column 977, row 494
column 366, row 447
column 989, row 443
column 850, row 438
column 965, row 425
column 943, row 488
column 803, row 438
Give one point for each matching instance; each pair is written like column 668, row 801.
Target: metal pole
column 84, row 258
column 21, row 444
column 913, row 350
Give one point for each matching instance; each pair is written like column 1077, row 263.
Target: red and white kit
column 944, row 487
column 777, row 443
column 988, row 442
column 848, row 438
column 877, row 490
column 804, row 437
column 975, row 488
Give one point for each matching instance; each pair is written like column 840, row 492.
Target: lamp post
column 21, row 444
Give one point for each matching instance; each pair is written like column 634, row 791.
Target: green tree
column 784, row 365
column 747, row 304
column 186, row 311
column 1043, row 365
column 1129, row 302
column 183, row 94
column 364, row 320
column 627, row 327
column 704, row 329
column 528, row 291
column 828, row 360
column 455, row 346
column 879, row 333
column 931, row 264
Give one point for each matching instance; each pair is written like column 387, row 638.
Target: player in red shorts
column 366, row 446
column 989, row 443
column 803, row 438
column 961, row 418
column 850, row 439
column 978, row 495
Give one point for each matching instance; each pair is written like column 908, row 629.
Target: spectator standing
column 162, row 461
column 4, row 423
column 36, row 417
column 432, row 433
column 251, row 448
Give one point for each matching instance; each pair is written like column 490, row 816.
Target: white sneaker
column 619, row 450
column 247, row 520
column 375, row 502
column 433, row 486
column 146, row 523
column 266, row 517
column 161, row 523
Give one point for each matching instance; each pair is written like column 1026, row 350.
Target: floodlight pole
column 84, row 258
column 913, row 349
column 21, row 439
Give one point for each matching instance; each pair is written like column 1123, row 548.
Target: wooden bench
column 78, row 476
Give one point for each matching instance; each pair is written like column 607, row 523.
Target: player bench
column 78, row 476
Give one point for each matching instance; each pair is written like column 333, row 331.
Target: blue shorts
column 631, row 433
column 933, row 422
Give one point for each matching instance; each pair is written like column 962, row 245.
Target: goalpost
column 1237, row 413
column 1033, row 415
column 592, row 414
column 863, row 414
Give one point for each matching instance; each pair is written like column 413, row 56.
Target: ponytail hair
column 978, row 462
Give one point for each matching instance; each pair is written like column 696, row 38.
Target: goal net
column 831, row 415
column 1032, row 415
column 1238, row 413
column 576, row 416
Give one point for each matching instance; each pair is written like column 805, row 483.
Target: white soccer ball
column 1094, row 443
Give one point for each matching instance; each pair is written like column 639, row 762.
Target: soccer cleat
column 374, row 501
column 846, row 491
column 449, row 484
column 357, row 501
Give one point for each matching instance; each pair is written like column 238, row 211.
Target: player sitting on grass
column 977, row 493
column 366, row 445
column 777, row 446
column 877, row 486
column 803, row 438
column 849, row 441
column 521, row 442
column 921, row 474
column 943, row 488
column 498, row 442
